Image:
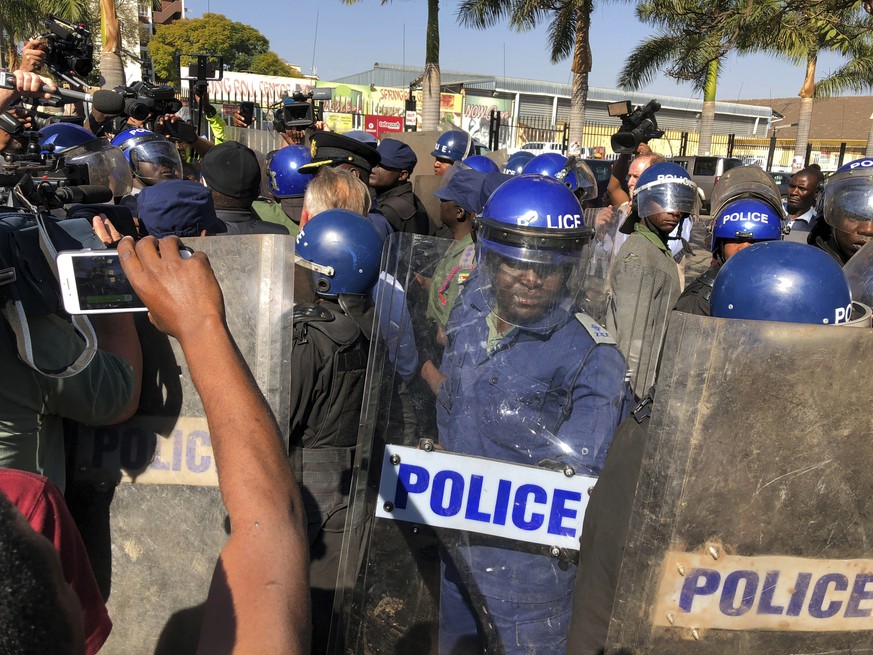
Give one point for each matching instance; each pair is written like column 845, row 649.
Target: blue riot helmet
column 665, row 187
column 517, row 161
column 482, row 164
column 746, row 220
column 343, row 250
column 530, row 238
column 573, row 172
column 847, row 205
column 285, row 180
column 782, row 281
column 152, row 157
column 104, row 163
column 452, row 146
column 60, row 136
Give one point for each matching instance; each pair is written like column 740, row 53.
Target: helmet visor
column 155, row 161
column 848, row 205
column 106, row 165
column 527, row 285
column 661, row 198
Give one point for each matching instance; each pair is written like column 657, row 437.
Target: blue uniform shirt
column 538, row 394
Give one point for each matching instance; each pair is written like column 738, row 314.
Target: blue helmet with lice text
column 285, row 179
column 782, row 281
column 517, row 161
column 530, row 235
column 482, row 164
column 747, row 220
column 571, row 171
column 665, row 187
column 343, row 250
column 454, row 145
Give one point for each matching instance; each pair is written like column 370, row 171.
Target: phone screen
column 101, row 284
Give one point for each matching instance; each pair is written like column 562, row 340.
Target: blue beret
column 396, row 154
column 465, row 188
column 179, row 207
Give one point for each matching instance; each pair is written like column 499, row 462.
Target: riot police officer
column 287, row 186
column 451, row 146
column 526, row 379
column 737, row 225
column 338, row 254
column 848, row 211
column 573, row 172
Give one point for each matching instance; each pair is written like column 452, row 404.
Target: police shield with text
column 748, row 529
column 527, row 395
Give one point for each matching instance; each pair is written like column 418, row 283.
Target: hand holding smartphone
column 93, row 282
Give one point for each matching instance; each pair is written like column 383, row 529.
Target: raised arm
column 259, row 598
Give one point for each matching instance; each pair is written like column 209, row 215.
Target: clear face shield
column 674, row 196
column 106, row 165
column 848, row 209
column 586, row 183
column 530, row 280
column 156, row 161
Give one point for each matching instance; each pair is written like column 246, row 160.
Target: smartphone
column 92, row 282
column 247, row 111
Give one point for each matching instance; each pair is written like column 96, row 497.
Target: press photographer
column 58, row 371
column 297, row 118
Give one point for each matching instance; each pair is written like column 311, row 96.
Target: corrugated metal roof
column 394, row 75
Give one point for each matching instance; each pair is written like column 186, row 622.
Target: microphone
column 108, row 102
column 86, row 193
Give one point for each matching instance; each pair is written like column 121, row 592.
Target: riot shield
column 749, row 530
column 600, row 253
column 154, row 547
column 471, row 511
column 263, row 141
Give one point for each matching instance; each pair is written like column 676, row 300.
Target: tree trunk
column 431, row 84
column 581, row 67
column 707, row 116
column 111, row 70
column 111, row 65
column 804, row 120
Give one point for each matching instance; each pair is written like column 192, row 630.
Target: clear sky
column 350, row 39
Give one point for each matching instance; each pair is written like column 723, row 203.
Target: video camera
column 70, row 50
column 142, row 99
column 637, row 125
column 298, row 110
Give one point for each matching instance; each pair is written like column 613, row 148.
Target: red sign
column 379, row 125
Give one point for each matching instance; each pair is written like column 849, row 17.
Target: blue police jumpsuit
column 542, row 393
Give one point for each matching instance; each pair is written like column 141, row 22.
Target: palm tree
column 809, row 27
column 431, row 82
column 694, row 37
column 569, row 27
column 111, row 64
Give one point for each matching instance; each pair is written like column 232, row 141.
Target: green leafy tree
column 213, row 34
column 569, row 34
column 430, row 81
column 806, row 28
column 269, row 63
column 693, row 38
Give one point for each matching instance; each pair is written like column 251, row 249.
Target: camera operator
column 299, row 135
column 33, row 405
column 33, row 56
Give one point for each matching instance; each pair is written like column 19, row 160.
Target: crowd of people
column 539, row 341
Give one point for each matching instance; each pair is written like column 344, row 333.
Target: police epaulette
column 309, row 313
column 595, row 329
